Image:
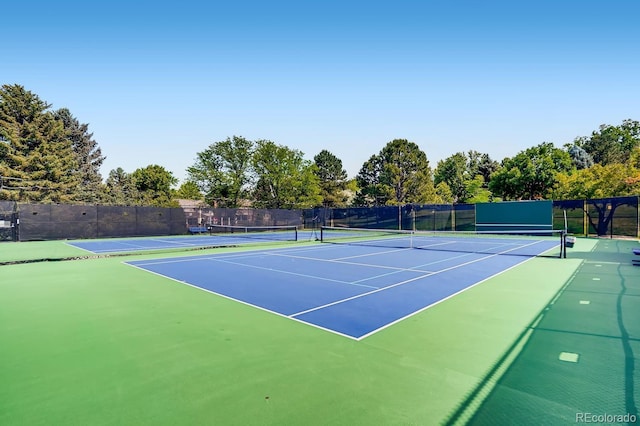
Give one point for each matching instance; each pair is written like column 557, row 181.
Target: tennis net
column 271, row 233
column 542, row 243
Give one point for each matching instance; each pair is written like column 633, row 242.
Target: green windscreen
column 516, row 215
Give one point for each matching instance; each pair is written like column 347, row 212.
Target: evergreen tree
column 36, row 150
column 120, row 189
column 333, row 179
column 580, row 158
column 89, row 157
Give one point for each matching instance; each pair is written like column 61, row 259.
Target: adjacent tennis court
column 355, row 290
column 218, row 236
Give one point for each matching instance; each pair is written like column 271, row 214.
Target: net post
column 295, row 231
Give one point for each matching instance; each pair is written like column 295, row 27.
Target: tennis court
column 353, row 290
column 403, row 328
column 220, row 236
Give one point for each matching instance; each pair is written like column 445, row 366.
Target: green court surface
column 37, row 251
column 97, row 342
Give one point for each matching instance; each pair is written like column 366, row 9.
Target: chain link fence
column 243, row 217
column 63, row 221
column 612, row 217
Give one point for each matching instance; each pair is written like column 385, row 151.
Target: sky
column 159, row 81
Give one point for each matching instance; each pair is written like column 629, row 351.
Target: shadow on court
column 578, row 359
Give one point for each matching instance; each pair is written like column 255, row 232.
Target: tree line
column 48, row 155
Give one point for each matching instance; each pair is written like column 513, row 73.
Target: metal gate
column 8, row 221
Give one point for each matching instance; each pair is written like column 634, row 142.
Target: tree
column 611, row 144
column 466, row 175
column 154, row 185
column 443, row 194
column 481, row 164
column 223, row 171
column 284, row 178
column 188, row 191
column 35, row 149
column 332, row 177
column 120, row 189
column 89, row 157
column 454, row 172
column 579, row 157
column 601, row 181
column 399, row 174
column 531, row 173
column 598, row 181
column 371, row 190
column 478, row 193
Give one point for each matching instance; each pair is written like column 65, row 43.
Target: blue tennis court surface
column 353, row 291
column 190, row 241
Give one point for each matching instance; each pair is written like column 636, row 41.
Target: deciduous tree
column 399, row 174
column 455, row 173
column 189, row 191
column 223, row 171
column 612, row 144
column 531, row 174
column 284, row 178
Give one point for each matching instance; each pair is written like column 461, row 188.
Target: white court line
column 282, row 253
column 437, row 302
column 337, row 302
column 415, row 268
column 179, row 243
column 372, row 254
column 439, row 244
column 72, row 244
column 235, row 255
column 244, row 302
column 134, row 247
column 395, row 270
column 294, row 273
column 291, row 317
column 368, row 265
column 419, row 266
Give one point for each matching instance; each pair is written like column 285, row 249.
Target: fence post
column 453, row 217
column 585, row 218
column 413, row 218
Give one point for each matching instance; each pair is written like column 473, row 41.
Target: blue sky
column 160, row 81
